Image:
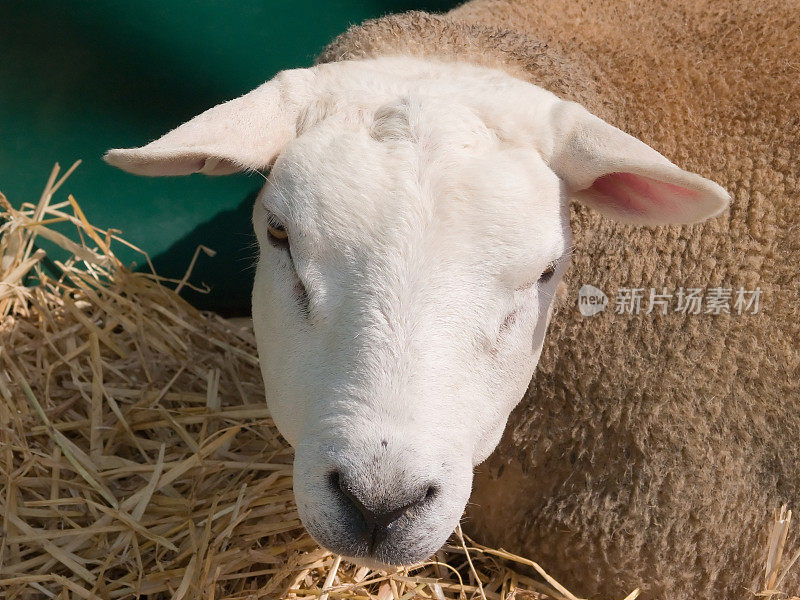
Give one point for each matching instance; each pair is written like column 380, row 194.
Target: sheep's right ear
column 240, row 135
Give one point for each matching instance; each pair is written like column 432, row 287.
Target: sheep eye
column 547, row 275
column 278, row 235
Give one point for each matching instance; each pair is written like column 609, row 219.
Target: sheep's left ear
column 624, row 178
column 243, row 134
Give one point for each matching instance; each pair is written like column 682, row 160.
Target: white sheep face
column 403, row 319
column 412, row 233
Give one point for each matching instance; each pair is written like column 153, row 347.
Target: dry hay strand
column 137, row 454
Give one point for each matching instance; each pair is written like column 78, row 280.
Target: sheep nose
column 379, row 513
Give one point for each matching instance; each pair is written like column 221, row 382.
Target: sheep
column 441, row 186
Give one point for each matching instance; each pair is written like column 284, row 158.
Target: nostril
column 340, row 487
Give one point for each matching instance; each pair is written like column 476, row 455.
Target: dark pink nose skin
column 377, row 515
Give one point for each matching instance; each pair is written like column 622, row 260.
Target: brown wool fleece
column 651, row 450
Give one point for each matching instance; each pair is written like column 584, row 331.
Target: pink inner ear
column 632, row 193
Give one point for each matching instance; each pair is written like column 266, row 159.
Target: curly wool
column 651, row 450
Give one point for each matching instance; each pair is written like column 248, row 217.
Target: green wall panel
column 77, row 78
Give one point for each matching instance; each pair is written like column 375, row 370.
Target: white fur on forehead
column 428, row 120
column 417, row 173
column 363, row 90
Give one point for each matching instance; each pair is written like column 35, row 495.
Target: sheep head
column 412, row 231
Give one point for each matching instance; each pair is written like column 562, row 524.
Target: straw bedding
column 137, row 455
